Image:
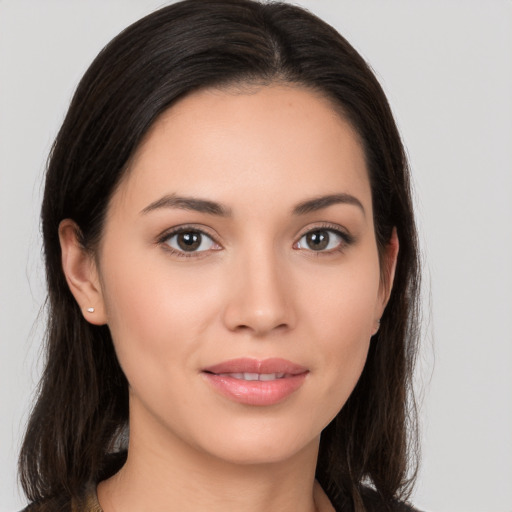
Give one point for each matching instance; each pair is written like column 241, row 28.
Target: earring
column 377, row 328
column 90, row 310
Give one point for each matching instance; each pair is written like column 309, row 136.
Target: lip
column 256, row 392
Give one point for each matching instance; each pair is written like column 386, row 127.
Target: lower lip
column 256, row 392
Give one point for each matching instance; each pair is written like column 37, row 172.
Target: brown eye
column 317, row 240
column 190, row 241
column 321, row 240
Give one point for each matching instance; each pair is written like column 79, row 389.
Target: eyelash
column 346, row 239
column 163, row 240
column 165, row 237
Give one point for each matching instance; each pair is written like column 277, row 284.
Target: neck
column 164, row 471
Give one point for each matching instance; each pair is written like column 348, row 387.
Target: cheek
column 340, row 321
column 156, row 316
column 343, row 302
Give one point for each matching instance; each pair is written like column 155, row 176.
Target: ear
column 81, row 273
column 388, row 267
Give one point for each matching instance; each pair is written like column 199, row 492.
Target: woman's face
column 240, row 246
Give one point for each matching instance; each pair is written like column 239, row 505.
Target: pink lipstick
column 254, row 382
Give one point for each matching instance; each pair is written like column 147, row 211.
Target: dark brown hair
column 82, row 406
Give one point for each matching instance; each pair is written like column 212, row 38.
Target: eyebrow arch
column 318, row 203
column 188, row 203
column 213, row 208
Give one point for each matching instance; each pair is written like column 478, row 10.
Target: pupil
column 189, row 241
column 318, row 240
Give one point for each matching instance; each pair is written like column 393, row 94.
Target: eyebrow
column 214, row 208
column 318, row 203
column 188, row 203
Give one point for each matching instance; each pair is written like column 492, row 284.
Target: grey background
column 447, row 69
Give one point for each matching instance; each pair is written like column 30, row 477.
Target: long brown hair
column 78, row 421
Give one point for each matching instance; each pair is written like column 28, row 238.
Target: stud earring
column 90, row 310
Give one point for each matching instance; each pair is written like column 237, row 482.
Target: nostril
column 261, row 329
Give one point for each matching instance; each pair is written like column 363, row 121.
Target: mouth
column 255, row 382
column 255, row 376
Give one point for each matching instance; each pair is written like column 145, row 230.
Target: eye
column 322, row 240
column 190, row 241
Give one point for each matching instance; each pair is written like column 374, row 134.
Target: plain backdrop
column 446, row 66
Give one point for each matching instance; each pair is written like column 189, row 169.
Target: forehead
column 275, row 142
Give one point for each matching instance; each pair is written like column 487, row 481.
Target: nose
column 260, row 296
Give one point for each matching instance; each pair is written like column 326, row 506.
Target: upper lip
column 249, row 365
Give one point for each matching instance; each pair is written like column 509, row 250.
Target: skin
column 254, row 289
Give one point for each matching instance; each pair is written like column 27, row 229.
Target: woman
column 232, row 272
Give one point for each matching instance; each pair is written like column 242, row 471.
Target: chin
column 261, row 442
column 259, row 453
